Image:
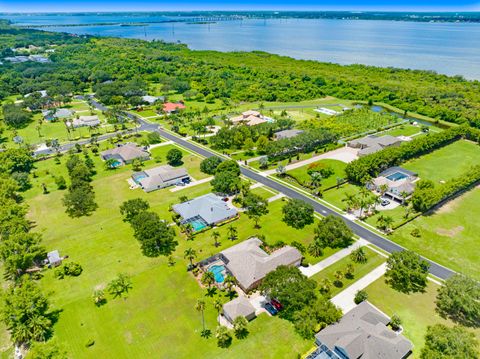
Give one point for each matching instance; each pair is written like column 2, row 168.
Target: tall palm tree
column 208, row 278
column 190, row 254
column 200, row 307
column 232, row 233
column 215, row 236
column 217, row 304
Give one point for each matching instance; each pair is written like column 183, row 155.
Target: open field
column 447, row 162
column 361, row 269
column 417, row 310
column 302, row 176
column 158, row 317
column 449, row 236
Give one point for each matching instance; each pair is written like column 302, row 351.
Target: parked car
column 271, row 309
column 278, row 306
column 385, row 202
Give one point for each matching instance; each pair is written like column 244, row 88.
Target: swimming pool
column 198, row 224
column 218, row 271
column 137, row 177
column 397, row 176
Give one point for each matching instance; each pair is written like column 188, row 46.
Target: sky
column 179, row 5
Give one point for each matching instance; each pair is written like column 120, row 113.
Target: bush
column 174, row 157
column 415, row 233
column 360, row 296
column 153, row 138
column 72, row 269
column 395, row 322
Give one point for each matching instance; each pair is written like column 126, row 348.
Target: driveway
column 344, row 154
column 344, row 299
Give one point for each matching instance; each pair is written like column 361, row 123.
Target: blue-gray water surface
column 448, row 48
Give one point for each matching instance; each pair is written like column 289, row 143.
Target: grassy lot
column 146, row 112
column 264, row 192
column 361, row 269
column 301, row 175
column 447, row 162
column 417, row 311
column 336, row 195
column 449, row 236
column 402, row 130
column 158, row 317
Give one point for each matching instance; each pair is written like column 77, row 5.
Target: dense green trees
column 174, row 157
column 16, row 117
column 227, row 178
column 459, row 300
column 255, row 207
column 26, row 313
column 129, row 209
column 297, row 213
column 442, row 342
column 333, row 232
column 406, row 272
column 209, row 165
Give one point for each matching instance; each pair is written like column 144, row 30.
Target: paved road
column 379, row 241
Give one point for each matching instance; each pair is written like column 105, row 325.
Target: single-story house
column 396, row 183
column 54, row 258
column 152, row 99
column 250, row 118
column 287, row 134
column 59, row 113
column 361, row 333
column 371, row 144
column 249, row 263
column 160, row 177
column 203, row 211
column 170, row 107
column 86, row 121
column 126, row 153
column 237, row 307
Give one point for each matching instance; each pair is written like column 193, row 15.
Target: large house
column 125, row 153
column 249, row 263
column 250, row 118
column 203, row 211
column 86, row 121
column 170, row 107
column 59, row 113
column 396, row 183
column 152, row 99
column 361, row 333
column 237, row 307
column 160, row 177
column 371, row 144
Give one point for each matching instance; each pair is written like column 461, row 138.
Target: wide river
column 448, row 48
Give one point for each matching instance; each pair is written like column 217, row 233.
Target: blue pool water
column 138, row 177
column 397, row 176
column 198, row 224
column 116, row 164
column 217, row 271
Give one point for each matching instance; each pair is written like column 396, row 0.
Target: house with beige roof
column 160, row 177
column 396, row 183
column 371, row 144
column 249, row 263
column 361, row 333
column 238, row 307
column 86, row 121
column 250, row 118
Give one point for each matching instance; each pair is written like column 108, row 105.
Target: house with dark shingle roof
column 361, row 333
column 126, row 153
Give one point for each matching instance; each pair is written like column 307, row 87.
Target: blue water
column 449, row 48
column 397, row 176
column 217, row 271
column 138, row 177
column 198, row 224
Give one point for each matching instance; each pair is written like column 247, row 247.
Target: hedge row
column 363, row 169
column 426, row 197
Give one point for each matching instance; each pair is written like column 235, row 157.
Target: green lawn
column 447, row 162
column 449, row 236
column 402, row 130
column 264, row 192
column 336, row 196
column 417, row 310
column 361, row 269
column 158, row 318
column 302, row 176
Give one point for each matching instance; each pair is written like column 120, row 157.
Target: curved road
column 379, row 241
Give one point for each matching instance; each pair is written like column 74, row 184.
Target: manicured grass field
column 417, row 310
column 336, row 196
column 264, row 192
column 449, row 236
column 302, row 176
column 361, row 269
column 402, row 130
column 157, row 319
column 447, row 162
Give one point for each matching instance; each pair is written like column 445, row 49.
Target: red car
column 278, row 306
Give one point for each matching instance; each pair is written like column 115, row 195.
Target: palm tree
column 316, row 179
column 215, row 236
column 200, row 307
column 315, row 249
column 325, row 285
column 208, row 279
column 385, row 222
column 232, row 233
column 383, row 189
column 358, row 255
column 118, row 286
column 351, row 201
column 404, row 196
column 217, row 304
column 340, row 180
column 349, row 271
column 338, row 278
column 190, row 254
